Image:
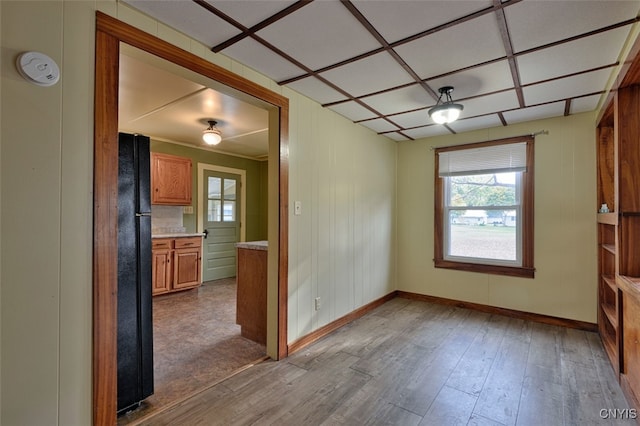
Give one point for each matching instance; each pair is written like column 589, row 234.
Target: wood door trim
column 109, row 33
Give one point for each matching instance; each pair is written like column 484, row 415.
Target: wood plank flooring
column 416, row 363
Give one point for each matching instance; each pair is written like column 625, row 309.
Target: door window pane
column 215, row 187
column 229, row 189
column 229, row 211
column 221, row 199
column 214, row 211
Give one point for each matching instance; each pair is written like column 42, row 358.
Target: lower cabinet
column 176, row 264
column 251, row 279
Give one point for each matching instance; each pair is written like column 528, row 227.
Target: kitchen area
column 202, row 331
column 206, row 302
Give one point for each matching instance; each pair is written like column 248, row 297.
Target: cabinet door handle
column 188, row 244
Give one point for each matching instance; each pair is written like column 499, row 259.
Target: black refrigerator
column 135, row 328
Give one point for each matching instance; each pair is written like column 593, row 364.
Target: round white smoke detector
column 38, row 68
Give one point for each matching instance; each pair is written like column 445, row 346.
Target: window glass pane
column 215, row 187
column 229, row 189
column 481, row 234
column 229, row 211
column 214, row 208
column 498, row 189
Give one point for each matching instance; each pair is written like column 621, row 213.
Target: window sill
column 511, row 271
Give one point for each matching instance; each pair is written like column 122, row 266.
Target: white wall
column 342, row 246
column 565, row 223
column 344, row 175
column 46, row 217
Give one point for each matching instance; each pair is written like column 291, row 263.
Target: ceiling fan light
column 445, row 113
column 211, row 135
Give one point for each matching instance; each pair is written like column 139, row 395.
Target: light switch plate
column 297, row 208
column 187, row 210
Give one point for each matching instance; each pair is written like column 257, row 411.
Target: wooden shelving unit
column 608, row 297
column 618, row 154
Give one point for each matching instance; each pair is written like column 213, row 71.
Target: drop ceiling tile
column 485, row 79
column 400, row 100
column 396, row 20
column 250, row 13
column 588, row 103
column 411, row 119
column 535, row 23
column 320, row 34
column 489, row 104
column 396, row 136
column 379, row 125
column 572, row 57
column 352, row 110
column 254, row 55
column 381, row 71
column 539, row 112
column 427, row 132
column 476, row 123
column 188, row 18
column 566, row 87
column 316, row 90
column 462, row 45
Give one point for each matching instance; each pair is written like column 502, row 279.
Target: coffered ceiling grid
column 380, row 63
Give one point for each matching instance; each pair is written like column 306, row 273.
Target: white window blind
column 510, row 157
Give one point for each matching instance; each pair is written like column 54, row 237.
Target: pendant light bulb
column 447, row 111
column 211, row 135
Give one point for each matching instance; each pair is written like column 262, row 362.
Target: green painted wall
column 256, row 185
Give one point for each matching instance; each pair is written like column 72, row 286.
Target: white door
column 221, row 224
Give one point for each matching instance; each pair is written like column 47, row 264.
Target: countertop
column 178, row 235
column 254, row 245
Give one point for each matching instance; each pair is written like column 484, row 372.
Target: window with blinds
column 484, row 207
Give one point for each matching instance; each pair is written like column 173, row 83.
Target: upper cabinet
column 170, row 180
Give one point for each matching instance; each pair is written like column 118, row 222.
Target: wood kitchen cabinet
column 170, row 180
column 161, row 266
column 176, row 264
column 251, row 281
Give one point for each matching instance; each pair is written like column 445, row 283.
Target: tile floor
column 196, row 343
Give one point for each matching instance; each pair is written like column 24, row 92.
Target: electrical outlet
column 317, row 303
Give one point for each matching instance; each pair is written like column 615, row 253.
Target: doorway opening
column 109, row 34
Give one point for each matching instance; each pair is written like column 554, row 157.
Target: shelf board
column 611, row 248
column 630, row 284
column 610, row 280
column 609, row 343
column 611, row 314
column 608, row 218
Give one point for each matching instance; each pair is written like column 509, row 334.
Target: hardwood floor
column 416, row 363
column 196, row 343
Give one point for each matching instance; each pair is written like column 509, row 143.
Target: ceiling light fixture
column 447, row 111
column 211, row 135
